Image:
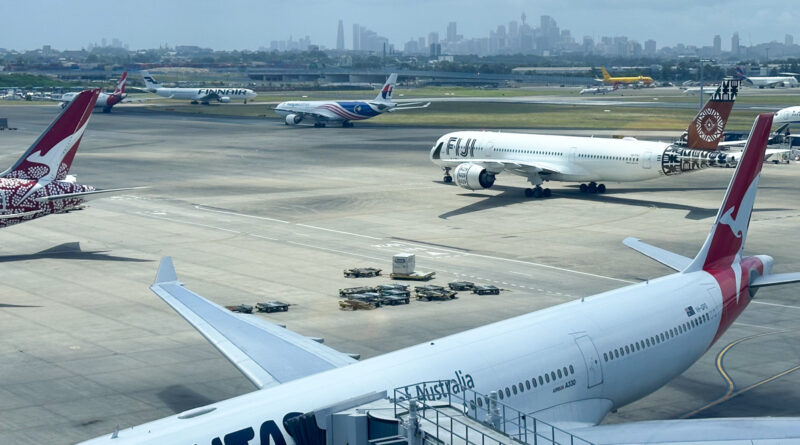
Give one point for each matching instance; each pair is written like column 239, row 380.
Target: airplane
column 197, row 95
column 38, row 184
column 104, row 100
column 323, row 112
column 629, row 80
column 11, row 94
column 477, row 157
column 569, row 365
column 788, row 115
column 599, row 90
column 787, row 80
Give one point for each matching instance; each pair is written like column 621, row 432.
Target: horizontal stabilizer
column 665, row 257
column 264, row 352
column 18, row 215
column 776, row 279
column 411, row 106
column 86, row 196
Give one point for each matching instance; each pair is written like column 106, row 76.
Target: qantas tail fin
column 149, row 82
column 50, row 157
column 121, row 84
column 606, row 76
column 705, row 131
column 386, row 92
column 726, row 240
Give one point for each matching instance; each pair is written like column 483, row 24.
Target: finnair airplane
column 570, row 364
column 477, row 157
column 198, row 95
column 38, row 184
column 330, row 111
column 103, row 100
column 786, row 80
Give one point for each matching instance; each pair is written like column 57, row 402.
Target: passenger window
column 627, row 350
column 571, row 369
column 528, row 384
column 663, row 338
column 501, row 394
column 547, row 378
column 521, row 387
column 605, row 356
column 647, row 342
column 616, row 353
column 508, row 392
column 553, row 375
column 514, row 387
column 565, row 372
column 637, row 346
column 533, row 380
column 480, row 402
column 559, row 374
column 541, row 380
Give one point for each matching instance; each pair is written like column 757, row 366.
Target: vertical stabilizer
column 385, row 95
column 724, row 244
column 150, row 83
column 606, row 76
column 121, row 84
column 706, row 130
column 50, row 157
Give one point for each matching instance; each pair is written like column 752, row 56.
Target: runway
column 252, row 210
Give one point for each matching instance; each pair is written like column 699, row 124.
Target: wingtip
column 166, row 271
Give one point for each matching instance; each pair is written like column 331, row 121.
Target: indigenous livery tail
column 705, row 131
column 50, row 157
column 723, row 247
column 385, row 95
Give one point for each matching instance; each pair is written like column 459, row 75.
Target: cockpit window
column 437, row 151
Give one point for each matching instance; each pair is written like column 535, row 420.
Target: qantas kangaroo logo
column 737, row 226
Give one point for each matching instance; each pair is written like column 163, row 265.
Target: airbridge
column 417, row 415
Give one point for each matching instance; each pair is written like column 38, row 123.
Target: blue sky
column 249, row 24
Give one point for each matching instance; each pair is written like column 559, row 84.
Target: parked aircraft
column 477, row 157
column 344, row 112
column 11, row 94
column 198, row 95
column 625, row 80
column 785, row 80
column 38, row 184
column 599, row 90
column 103, row 100
column 788, row 115
column 570, row 364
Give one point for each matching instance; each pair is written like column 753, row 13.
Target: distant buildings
column 735, row 44
column 340, row 37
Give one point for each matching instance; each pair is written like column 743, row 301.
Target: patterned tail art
column 50, row 157
column 706, row 129
column 721, row 255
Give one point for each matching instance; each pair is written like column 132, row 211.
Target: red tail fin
column 706, row 129
column 50, row 157
column 725, row 242
column 121, row 84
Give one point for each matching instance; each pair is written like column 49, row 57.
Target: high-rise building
column 452, row 32
column 433, row 38
column 340, row 37
column 735, row 44
column 717, row 46
column 788, row 40
column 650, row 48
column 356, row 37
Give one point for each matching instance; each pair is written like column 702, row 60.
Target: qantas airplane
column 324, row 112
column 197, row 95
column 787, row 80
column 570, row 364
column 477, row 157
column 104, row 100
column 38, row 184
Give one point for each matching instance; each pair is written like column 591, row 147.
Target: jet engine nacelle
column 293, row 119
column 473, row 177
column 225, row 99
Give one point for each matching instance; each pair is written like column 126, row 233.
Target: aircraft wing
column 665, row 257
column 17, row 215
column 525, row 168
column 410, row 106
column 87, row 196
column 265, row 353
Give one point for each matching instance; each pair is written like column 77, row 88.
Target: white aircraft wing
column 265, row 353
column 18, row 215
column 410, row 106
column 526, row 169
column 86, row 196
column 665, row 257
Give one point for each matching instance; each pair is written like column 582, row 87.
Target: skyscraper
column 356, row 37
column 789, row 40
column 717, row 45
column 650, row 47
column 452, row 32
column 735, row 44
column 340, row 37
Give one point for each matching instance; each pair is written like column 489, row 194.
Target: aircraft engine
column 225, row 99
column 293, row 119
column 473, row 176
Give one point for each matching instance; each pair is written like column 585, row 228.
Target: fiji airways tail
column 706, row 130
column 385, row 96
column 121, row 84
column 149, row 82
column 50, row 157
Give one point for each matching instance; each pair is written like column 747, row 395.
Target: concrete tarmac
column 253, row 210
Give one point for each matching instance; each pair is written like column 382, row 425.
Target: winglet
column 166, row 272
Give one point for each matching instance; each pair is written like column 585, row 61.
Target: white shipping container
column 403, row 263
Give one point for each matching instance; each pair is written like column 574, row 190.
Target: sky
column 250, row 24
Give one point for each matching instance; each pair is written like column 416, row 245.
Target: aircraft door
column 592, row 360
column 3, row 201
column 572, row 155
column 647, row 159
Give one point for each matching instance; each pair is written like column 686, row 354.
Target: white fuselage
column 649, row 322
column 102, row 99
column 761, row 82
column 202, row 93
column 576, row 159
column 789, row 115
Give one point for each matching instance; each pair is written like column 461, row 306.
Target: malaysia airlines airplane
column 570, row 364
column 198, row 95
column 38, row 184
column 477, row 157
column 787, row 80
column 344, row 112
column 103, row 100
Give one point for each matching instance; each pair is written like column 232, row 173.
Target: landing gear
column 319, row 124
column 347, row 124
column 447, row 178
column 593, row 187
column 194, row 102
column 106, row 109
column 538, row 192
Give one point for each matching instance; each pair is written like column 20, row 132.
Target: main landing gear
column 319, row 124
column 538, row 192
column 347, row 124
column 593, row 187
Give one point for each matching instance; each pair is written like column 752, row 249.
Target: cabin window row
column 656, row 339
column 533, row 152
column 610, row 158
column 528, row 385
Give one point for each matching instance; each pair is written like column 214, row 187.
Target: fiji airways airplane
column 477, row 157
column 197, row 95
column 570, row 364
column 103, row 100
column 38, row 184
column 323, row 112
